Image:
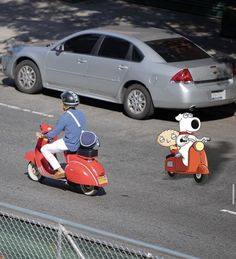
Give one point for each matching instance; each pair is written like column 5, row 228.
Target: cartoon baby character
column 167, row 138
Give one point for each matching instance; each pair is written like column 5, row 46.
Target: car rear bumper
column 197, row 96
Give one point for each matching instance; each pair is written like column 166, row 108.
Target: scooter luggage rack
column 87, row 152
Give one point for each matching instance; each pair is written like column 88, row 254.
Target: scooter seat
column 87, row 152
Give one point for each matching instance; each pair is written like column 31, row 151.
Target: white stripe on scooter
column 229, row 211
column 26, row 110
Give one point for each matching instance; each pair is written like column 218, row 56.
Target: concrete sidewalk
column 36, row 21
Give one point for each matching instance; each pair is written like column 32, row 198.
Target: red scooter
column 82, row 169
column 197, row 162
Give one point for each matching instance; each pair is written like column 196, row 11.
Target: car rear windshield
column 177, row 49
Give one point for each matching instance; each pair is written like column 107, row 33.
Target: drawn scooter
column 82, row 168
column 197, row 162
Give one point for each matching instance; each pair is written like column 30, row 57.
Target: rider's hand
column 39, row 135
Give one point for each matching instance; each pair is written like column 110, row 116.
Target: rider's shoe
column 59, row 174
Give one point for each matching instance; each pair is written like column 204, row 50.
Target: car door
column 67, row 64
column 108, row 68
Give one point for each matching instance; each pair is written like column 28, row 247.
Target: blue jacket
column 67, row 124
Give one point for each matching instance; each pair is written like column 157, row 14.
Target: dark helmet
column 70, row 98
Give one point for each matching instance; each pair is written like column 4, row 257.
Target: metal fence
column 21, row 236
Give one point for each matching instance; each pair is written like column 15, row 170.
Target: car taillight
column 183, row 76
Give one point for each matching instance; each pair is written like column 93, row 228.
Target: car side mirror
column 59, row 49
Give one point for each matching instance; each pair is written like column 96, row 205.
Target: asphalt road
column 141, row 201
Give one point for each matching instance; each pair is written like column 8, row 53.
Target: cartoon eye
column 187, row 115
column 173, row 136
column 161, row 139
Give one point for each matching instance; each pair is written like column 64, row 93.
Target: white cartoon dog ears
column 179, row 117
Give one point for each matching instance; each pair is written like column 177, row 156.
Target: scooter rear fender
column 174, row 164
column 202, row 169
column 85, row 172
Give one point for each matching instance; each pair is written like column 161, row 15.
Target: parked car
column 141, row 68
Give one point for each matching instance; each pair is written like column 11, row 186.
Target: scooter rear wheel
column 33, row 172
column 89, row 190
column 171, row 174
column 200, row 177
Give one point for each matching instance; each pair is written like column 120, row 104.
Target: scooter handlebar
column 206, row 139
column 45, row 128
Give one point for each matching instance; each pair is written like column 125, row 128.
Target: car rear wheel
column 27, row 77
column 138, row 103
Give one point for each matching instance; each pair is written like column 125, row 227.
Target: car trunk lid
column 206, row 70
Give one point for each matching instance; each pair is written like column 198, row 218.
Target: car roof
column 141, row 33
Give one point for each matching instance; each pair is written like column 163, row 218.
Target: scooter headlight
column 199, row 146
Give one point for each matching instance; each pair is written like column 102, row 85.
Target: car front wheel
column 138, row 103
column 27, row 77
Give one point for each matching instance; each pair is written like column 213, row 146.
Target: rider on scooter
column 72, row 122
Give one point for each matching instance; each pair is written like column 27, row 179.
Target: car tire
column 27, row 77
column 138, row 102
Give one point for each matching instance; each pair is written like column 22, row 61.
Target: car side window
column 137, row 55
column 82, row 44
column 113, row 47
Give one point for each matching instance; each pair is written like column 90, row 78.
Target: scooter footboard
column 86, row 174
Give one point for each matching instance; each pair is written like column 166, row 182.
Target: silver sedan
column 141, row 68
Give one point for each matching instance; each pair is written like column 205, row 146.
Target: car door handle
column 81, row 60
column 122, row 67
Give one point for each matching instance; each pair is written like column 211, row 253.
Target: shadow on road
column 206, row 114
column 218, row 158
column 63, row 185
column 44, row 20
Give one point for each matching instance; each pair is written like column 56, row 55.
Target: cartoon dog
column 187, row 125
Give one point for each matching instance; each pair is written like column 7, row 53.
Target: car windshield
column 177, row 49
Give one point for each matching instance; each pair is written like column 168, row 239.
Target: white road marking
column 26, row 110
column 229, row 211
column 233, row 194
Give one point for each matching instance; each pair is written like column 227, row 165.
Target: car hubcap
column 136, row 101
column 27, row 77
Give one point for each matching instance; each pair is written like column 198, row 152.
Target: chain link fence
column 21, row 236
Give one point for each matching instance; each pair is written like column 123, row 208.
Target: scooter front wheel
column 33, row 172
column 200, row 177
column 89, row 190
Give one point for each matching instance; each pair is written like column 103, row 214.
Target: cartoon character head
column 188, row 123
column 167, row 138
